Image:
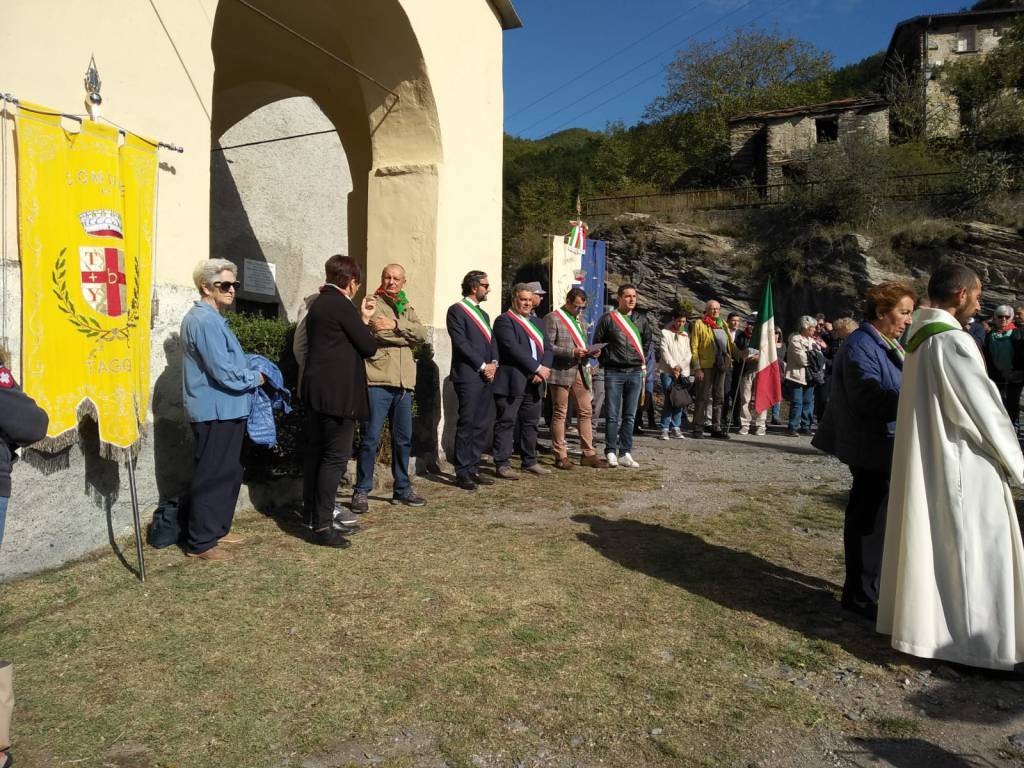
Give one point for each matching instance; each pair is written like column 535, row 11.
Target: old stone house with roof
column 922, row 45
column 768, row 147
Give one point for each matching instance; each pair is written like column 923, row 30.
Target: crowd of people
column 931, row 541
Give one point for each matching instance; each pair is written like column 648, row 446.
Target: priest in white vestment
column 952, row 584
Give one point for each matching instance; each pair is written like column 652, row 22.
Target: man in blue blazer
column 474, row 363
column 524, row 362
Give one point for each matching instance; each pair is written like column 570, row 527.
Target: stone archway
column 392, row 146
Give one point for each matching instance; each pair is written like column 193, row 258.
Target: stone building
column 921, row 45
column 372, row 128
column 768, row 147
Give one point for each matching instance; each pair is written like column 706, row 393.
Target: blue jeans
column 670, row 416
column 621, row 394
column 801, row 406
column 3, row 515
column 776, row 411
column 396, row 404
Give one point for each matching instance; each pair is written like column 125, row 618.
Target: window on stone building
column 966, row 41
column 827, row 129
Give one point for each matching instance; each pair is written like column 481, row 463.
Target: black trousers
column 522, row 411
column 863, row 535
column 1011, row 399
column 327, row 453
column 216, row 480
column 471, row 428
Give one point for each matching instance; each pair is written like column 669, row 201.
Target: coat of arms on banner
column 103, row 279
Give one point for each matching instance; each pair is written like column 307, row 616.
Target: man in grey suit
column 570, row 376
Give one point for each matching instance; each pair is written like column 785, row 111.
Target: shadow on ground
column 738, row 581
column 908, row 753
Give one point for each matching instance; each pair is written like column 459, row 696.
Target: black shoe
column 697, row 435
column 719, row 435
column 465, row 483
column 410, row 500
column 330, row 537
column 863, row 609
column 483, row 480
column 360, row 502
column 791, row 433
column 805, row 432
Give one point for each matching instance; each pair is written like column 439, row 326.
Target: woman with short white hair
column 799, row 382
column 217, row 389
column 1004, row 359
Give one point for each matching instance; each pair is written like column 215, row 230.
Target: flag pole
column 739, row 389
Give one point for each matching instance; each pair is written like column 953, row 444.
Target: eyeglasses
column 1003, row 317
column 224, row 286
column 484, row 285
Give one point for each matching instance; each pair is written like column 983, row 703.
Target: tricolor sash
column 477, row 317
column 531, row 330
column 576, row 334
column 633, row 336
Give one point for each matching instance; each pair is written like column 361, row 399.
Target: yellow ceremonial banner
column 86, row 231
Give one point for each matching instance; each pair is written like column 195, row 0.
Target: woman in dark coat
column 858, row 428
column 334, row 389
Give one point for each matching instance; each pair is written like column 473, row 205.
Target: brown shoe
column 231, row 538
column 537, row 469
column 564, row 463
column 592, row 461
column 214, row 553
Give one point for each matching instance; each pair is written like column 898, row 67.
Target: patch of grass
column 896, row 726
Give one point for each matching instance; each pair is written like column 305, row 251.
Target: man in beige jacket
column 391, row 378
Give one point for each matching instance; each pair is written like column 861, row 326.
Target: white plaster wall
column 281, row 202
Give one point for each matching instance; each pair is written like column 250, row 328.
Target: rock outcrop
column 673, row 263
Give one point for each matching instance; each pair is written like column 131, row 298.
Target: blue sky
column 562, row 39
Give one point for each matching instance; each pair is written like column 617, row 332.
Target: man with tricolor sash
column 474, row 363
column 627, row 334
column 570, row 377
column 952, row 584
column 524, row 364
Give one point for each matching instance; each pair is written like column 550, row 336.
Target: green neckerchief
column 399, row 301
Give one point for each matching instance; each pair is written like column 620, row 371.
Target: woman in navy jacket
column 858, row 428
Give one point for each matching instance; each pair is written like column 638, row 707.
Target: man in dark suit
column 474, row 364
column 334, row 389
column 524, row 364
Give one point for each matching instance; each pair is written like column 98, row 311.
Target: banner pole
column 736, row 397
column 135, row 515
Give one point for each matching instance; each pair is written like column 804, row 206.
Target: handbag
column 679, row 395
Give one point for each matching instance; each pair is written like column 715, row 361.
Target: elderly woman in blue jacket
column 217, row 390
column 859, row 427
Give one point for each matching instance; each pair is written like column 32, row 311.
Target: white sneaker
column 744, row 430
column 761, row 431
column 629, row 461
column 663, row 435
column 612, row 460
column 677, row 433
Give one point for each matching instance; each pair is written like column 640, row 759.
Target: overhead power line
column 660, row 28
column 651, row 77
column 675, row 46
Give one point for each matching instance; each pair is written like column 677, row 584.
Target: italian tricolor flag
column 768, row 380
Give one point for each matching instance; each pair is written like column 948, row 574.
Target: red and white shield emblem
column 103, row 279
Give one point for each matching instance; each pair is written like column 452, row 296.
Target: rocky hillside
column 675, row 262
